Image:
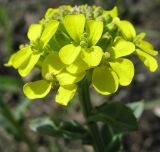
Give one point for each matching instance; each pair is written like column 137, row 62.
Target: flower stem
column 19, row 128
column 84, row 96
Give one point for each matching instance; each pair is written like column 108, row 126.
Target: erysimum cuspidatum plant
column 71, row 42
column 75, row 47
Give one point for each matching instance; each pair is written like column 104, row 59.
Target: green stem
column 19, row 128
column 84, row 95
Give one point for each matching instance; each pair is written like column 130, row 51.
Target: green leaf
column 73, row 130
column 137, row 108
column 74, row 25
column 68, row 129
column 45, row 125
column 112, row 140
column 117, row 115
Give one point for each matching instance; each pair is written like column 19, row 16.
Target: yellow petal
column 94, row 30
column 10, row 61
column 69, row 53
column 77, row 66
column 26, row 68
column 66, row 78
column 52, row 64
column 124, row 69
column 92, row 56
column 113, row 12
column 127, row 29
column 121, row 48
column 65, row 94
column 148, row 60
column 148, row 48
column 140, row 37
column 37, row 89
column 104, row 80
column 49, row 32
column 50, row 12
column 21, row 57
column 74, row 25
column 34, row 32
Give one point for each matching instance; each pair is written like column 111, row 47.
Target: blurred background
column 15, row 18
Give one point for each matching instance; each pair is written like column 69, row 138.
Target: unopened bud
column 50, row 77
column 107, row 55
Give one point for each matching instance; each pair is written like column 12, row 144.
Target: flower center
column 37, row 46
column 107, row 55
column 50, row 77
column 105, row 58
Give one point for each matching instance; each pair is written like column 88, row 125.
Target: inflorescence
column 70, row 43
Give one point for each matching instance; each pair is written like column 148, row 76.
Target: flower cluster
column 71, row 43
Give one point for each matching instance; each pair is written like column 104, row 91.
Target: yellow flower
column 144, row 50
column 114, row 69
column 71, row 43
column 26, row 58
column 82, row 53
column 54, row 75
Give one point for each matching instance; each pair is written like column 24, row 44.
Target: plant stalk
column 86, row 106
